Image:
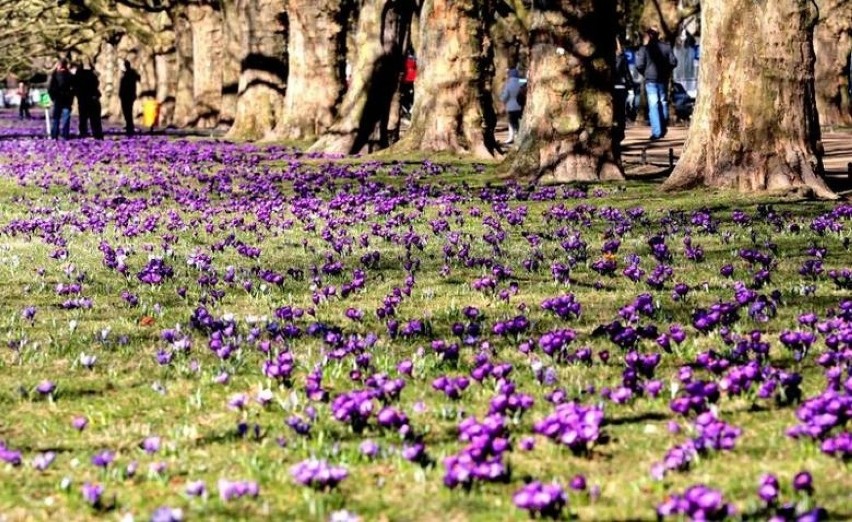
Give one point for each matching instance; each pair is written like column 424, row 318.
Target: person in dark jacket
column 623, row 84
column 61, row 91
column 87, row 89
column 127, row 95
column 656, row 61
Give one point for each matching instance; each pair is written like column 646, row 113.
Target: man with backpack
column 655, row 61
column 61, row 91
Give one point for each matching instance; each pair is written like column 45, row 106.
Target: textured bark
column 166, row 67
column 316, row 78
column 106, row 66
column 453, row 109
column 662, row 14
column 143, row 61
column 263, row 68
column 566, row 130
column 207, row 63
column 755, row 126
column 365, row 109
column 231, row 55
column 832, row 45
column 184, row 96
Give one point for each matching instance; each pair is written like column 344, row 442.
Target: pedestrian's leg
column 664, row 108
column 21, row 108
column 54, row 122
column 95, row 115
column 514, row 116
column 66, row 123
column 127, row 110
column 653, row 92
column 620, row 113
column 84, row 119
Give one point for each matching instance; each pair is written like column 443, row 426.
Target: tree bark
column 207, row 63
column 316, row 80
column 755, row 126
column 166, row 66
column 231, row 54
column 365, row 109
column 263, row 68
column 184, row 103
column 566, row 130
column 453, row 110
column 832, row 45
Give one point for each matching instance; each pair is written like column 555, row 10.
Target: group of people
column 75, row 81
column 655, row 61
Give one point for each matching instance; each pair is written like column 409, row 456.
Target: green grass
column 120, row 398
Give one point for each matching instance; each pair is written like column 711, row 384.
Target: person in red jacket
column 409, row 76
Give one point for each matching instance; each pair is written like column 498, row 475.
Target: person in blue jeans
column 61, row 91
column 655, row 61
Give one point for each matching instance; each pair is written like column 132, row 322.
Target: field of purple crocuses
column 203, row 330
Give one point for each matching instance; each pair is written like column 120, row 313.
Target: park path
column 838, row 148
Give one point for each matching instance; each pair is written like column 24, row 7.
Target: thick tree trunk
column 106, row 66
column 184, row 96
column 664, row 15
column 365, row 109
column 453, row 110
column 832, row 45
column 166, row 67
column 566, row 130
column 231, row 55
column 263, row 64
column 316, row 80
column 207, row 62
column 755, row 126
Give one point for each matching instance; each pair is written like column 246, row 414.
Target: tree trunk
column 664, row 15
column 184, row 103
column 207, row 63
column 106, row 66
column 832, row 45
column 166, row 66
column 365, row 109
column 453, row 111
column 316, row 80
column 566, row 130
column 231, row 62
column 755, row 126
column 263, row 64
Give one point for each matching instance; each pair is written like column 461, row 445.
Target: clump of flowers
column 564, row 306
column 482, row 458
column 155, row 272
column 573, row 425
column 698, row 502
column 229, row 490
column 318, row 474
column 544, row 500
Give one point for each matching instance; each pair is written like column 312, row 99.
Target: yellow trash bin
column 150, row 113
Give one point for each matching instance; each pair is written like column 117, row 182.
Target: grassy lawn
column 369, row 230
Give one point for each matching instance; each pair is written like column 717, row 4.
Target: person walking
column 510, row 98
column 655, row 61
column 24, row 95
column 61, row 91
column 623, row 86
column 87, row 89
column 127, row 95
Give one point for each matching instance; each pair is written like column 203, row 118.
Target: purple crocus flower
column 103, row 459
column 92, row 494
